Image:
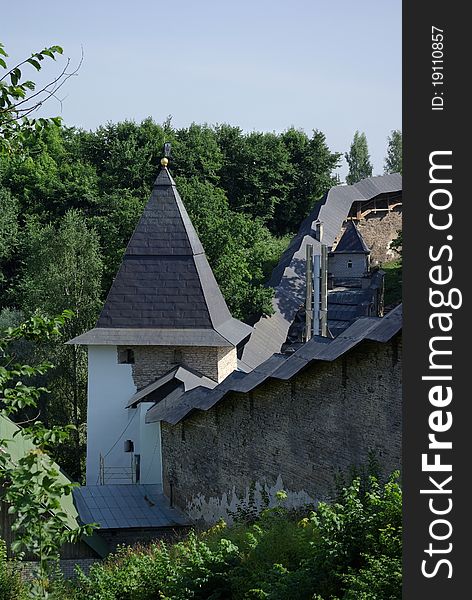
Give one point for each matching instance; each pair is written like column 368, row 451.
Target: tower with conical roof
column 351, row 256
column 164, row 312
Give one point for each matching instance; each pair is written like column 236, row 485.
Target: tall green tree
column 9, row 236
column 237, row 247
column 124, row 155
column 358, row 159
column 309, row 176
column 63, row 269
column 394, row 158
column 254, row 172
column 196, row 153
column 48, row 179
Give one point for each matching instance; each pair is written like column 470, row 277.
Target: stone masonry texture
column 151, row 362
column 378, row 231
column 325, row 420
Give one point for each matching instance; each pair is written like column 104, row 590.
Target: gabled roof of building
column 288, row 277
column 280, row 366
column 351, row 241
column 165, row 284
column 179, row 377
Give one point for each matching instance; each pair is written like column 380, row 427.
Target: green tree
column 8, row 236
column 195, row 153
column 309, row 176
column 394, row 158
column 19, row 97
column 254, row 171
column 63, row 271
column 34, row 488
column 8, row 223
column 358, row 159
column 11, row 584
column 48, row 179
column 237, row 247
column 125, row 155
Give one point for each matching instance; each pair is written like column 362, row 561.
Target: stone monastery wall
column 378, row 231
column 294, row 435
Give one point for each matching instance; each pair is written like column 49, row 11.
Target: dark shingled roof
column 345, row 305
column 279, row 366
column 288, row 277
column 165, row 284
column 351, row 241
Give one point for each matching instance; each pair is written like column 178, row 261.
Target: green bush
column 186, row 570
column 393, row 282
column 11, row 586
column 347, row 550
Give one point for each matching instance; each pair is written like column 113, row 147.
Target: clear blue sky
column 261, row 64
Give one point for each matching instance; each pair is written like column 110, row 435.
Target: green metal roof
column 18, row 446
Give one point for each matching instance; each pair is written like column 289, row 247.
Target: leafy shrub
column 11, row 586
column 189, row 569
column 348, row 550
column 355, row 541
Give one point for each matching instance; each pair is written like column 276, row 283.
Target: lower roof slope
column 18, row 446
column 279, row 366
column 127, row 506
column 180, row 379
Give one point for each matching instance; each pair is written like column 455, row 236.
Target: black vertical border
column 425, row 131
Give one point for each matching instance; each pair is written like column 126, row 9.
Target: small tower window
column 178, row 357
column 349, row 264
column 125, row 356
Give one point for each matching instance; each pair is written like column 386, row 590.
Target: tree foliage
column 19, row 97
column 63, row 269
column 71, row 199
column 394, row 158
column 32, row 486
column 269, row 183
column 349, row 549
column 236, row 245
column 277, row 178
column 9, row 235
column 358, row 159
column 11, row 584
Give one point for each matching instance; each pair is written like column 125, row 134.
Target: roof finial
column 166, row 152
